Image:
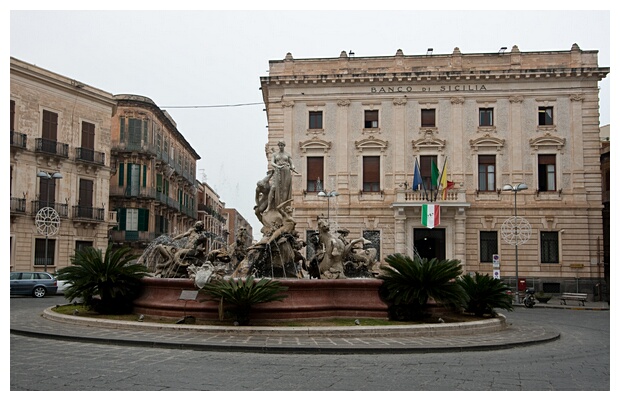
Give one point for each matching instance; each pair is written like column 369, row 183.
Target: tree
column 485, row 293
column 240, row 295
column 107, row 284
column 408, row 284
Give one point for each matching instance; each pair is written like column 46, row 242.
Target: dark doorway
column 430, row 243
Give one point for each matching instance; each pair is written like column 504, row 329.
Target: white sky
column 215, row 58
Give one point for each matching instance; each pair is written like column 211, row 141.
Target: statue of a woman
column 282, row 183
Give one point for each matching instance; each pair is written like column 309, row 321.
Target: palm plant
column 485, row 293
column 408, row 284
column 241, row 295
column 105, row 284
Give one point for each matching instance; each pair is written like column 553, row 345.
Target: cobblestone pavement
column 29, row 320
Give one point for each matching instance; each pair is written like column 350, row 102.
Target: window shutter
column 144, row 176
column 143, row 219
column 122, row 216
column 121, row 174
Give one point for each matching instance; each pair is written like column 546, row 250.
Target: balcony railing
column 132, row 236
column 18, row 140
column 89, row 155
column 61, row 208
column 131, row 191
column 134, row 147
column 18, row 205
column 417, row 197
column 51, row 147
column 88, row 213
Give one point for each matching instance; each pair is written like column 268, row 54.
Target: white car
column 62, row 286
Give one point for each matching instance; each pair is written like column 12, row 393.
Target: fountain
column 337, row 281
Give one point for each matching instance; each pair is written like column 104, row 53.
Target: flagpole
column 422, row 179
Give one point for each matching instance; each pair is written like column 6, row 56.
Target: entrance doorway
column 430, row 243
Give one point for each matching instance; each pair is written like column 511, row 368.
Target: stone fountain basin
column 307, row 299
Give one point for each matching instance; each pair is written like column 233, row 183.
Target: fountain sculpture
column 276, row 255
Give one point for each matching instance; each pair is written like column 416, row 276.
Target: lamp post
column 328, row 195
column 515, row 189
column 46, row 176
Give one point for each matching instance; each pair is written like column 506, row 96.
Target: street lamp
column 515, row 189
column 328, row 195
column 46, row 176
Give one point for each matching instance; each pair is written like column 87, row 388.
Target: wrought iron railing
column 52, row 147
column 61, row 208
column 89, row 155
column 18, row 139
column 18, row 205
column 87, row 213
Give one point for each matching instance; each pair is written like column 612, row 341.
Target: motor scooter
column 529, row 301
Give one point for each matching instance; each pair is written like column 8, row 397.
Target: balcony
column 139, row 147
column 18, row 140
column 406, row 197
column 61, row 208
column 132, row 236
column 89, row 156
column 51, row 147
column 88, row 214
column 133, row 191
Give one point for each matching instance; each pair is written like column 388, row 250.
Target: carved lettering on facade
column 440, row 88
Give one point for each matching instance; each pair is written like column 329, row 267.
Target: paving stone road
column 578, row 360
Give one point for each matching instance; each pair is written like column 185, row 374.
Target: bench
column 573, row 296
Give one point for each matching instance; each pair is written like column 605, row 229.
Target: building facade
column 359, row 127
column 238, row 228
column 59, row 168
column 153, row 180
column 211, row 213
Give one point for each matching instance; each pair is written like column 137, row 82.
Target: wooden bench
column 573, row 296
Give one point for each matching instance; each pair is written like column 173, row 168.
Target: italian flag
column 430, row 215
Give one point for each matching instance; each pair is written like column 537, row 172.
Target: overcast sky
column 204, row 67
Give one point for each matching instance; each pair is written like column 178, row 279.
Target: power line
column 211, row 106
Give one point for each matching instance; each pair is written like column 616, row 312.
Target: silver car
column 37, row 284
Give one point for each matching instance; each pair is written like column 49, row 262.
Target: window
column 545, row 115
column 546, row 173
column 80, row 245
column 39, row 251
column 428, row 117
column 316, row 120
column 426, row 168
column 315, row 174
column 549, row 247
column 85, row 200
column 131, row 220
column 88, row 142
column 371, row 174
column 488, row 246
column 47, row 191
column 12, row 112
column 371, row 119
column 485, row 117
column 49, row 132
column 486, row 173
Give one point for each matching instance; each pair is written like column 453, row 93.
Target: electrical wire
column 212, row 106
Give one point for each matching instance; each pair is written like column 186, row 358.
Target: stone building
column 153, row 182
column 238, row 228
column 59, row 167
column 357, row 127
column 211, row 212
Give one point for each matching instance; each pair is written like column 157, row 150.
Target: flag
column 445, row 184
column 434, row 175
column 417, row 177
column 430, row 215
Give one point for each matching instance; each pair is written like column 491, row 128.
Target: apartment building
column 59, row 167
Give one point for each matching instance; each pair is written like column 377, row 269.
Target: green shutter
column 122, row 138
column 122, row 217
column 143, row 219
column 129, row 166
column 144, row 176
column 121, row 174
column 159, row 182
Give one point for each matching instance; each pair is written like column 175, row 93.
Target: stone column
column 342, row 146
column 577, row 156
column 516, row 139
column 400, row 237
column 457, row 168
column 460, row 236
column 398, row 131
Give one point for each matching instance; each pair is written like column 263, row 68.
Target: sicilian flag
column 430, row 215
column 417, row 177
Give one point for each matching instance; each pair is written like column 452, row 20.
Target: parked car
column 62, row 286
column 37, row 284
